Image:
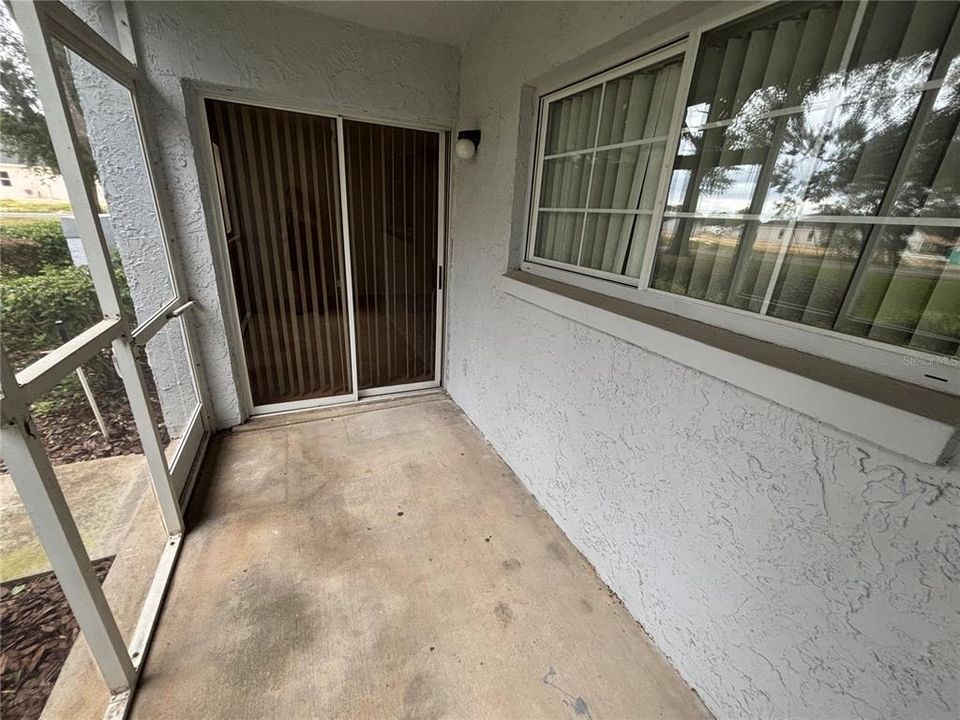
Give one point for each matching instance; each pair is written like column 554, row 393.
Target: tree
column 22, row 123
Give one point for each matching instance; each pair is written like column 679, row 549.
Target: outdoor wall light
column 467, row 143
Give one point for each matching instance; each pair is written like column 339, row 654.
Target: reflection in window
column 810, row 132
column 930, row 186
column 679, row 182
column 909, row 293
column 704, row 267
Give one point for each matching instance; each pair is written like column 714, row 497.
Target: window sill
column 914, row 421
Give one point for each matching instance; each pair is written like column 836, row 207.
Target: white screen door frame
column 42, row 24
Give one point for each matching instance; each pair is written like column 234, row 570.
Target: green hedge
column 28, row 248
column 32, row 304
column 39, row 285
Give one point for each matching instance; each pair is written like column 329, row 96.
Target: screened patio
column 480, row 359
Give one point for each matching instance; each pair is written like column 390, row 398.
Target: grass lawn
column 11, row 222
column 37, row 206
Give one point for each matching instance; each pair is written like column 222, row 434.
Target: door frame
column 199, row 93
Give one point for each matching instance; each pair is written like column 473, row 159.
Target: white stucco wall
column 283, row 55
column 132, row 228
column 787, row 570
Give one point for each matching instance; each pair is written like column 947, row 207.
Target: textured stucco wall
column 134, row 228
column 284, row 55
column 788, row 570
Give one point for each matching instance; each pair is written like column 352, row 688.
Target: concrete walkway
column 103, row 496
column 382, row 562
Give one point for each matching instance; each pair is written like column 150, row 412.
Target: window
column 601, row 156
column 815, row 175
column 5, row 179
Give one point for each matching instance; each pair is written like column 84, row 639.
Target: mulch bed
column 37, row 630
column 71, row 434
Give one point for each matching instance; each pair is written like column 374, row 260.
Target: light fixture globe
column 467, row 143
column 465, row 149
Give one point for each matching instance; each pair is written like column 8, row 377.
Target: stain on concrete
column 420, row 699
column 511, row 565
column 586, row 605
column 278, row 644
column 579, row 705
column 558, row 551
column 504, row 613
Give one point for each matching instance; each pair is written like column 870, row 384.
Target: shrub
column 18, row 257
column 39, row 285
column 27, row 248
column 29, row 309
column 32, row 304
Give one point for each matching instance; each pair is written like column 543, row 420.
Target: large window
column 602, row 150
column 814, row 177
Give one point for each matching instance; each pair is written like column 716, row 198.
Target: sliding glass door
column 334, row 232
column 279, row 190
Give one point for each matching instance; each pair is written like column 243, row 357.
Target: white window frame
column 937, row 372
column 674, row 50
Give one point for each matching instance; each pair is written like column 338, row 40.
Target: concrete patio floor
column 381, row 561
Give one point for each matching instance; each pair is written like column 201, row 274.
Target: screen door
column 393, row 201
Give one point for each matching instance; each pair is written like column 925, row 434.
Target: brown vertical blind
column 279, row 186
column 392, row 204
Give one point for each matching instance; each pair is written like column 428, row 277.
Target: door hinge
column 440, row 277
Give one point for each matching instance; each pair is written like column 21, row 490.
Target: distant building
column 21, row 182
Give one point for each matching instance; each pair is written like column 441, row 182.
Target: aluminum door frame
column 212, row 196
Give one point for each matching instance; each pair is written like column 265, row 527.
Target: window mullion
column 593, row 169
column 757, row 202
column 543, row 110
column 601, row 148
column 669, row 156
